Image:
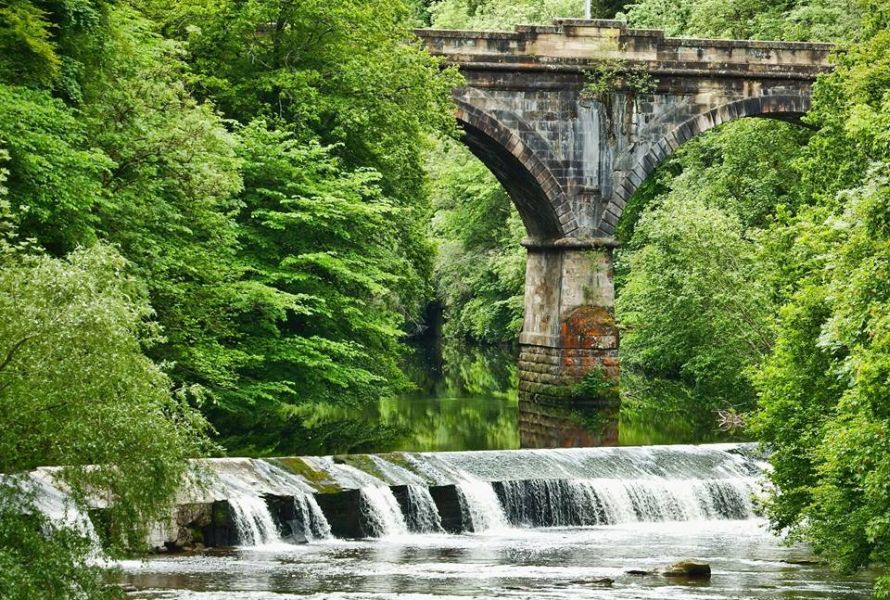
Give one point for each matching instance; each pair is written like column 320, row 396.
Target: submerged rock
column 600, row 582
column 803, row 562
column 688, row 569
column 640, row 572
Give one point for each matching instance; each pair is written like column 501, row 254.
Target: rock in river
column 688, row 569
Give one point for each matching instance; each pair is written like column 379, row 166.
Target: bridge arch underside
column 788, row 108
column 528, row 180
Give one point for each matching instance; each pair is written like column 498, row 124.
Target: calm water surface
column 466, row 399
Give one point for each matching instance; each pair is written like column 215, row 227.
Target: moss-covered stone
column 364, row 463
column 403, row 460
column 320, row 480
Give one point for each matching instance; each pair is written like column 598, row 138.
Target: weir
column 253, row 502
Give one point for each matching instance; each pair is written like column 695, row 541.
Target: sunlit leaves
column 694, row 267
column 76, row 389
column 480, row 267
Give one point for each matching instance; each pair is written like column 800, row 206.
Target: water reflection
column 466, row 399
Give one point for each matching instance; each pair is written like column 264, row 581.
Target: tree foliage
column 812, row 207
column 224, row 207
column 40, row 560
column 126, row 146
column 823, row 390
column 823, row 20
column 504, row 14
column 76, row 388
column 694, row 267
column 480, row 266
column 320, row 331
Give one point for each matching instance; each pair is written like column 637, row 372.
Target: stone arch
column 781, row 107
column 526, row 173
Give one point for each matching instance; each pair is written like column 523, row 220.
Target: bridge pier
column 568, row 349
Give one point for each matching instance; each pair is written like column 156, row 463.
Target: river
column 526, row 524
column 465, row 399
column 516, row 563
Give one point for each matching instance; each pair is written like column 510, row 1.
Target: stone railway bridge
column 570, row 160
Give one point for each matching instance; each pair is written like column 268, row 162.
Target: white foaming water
column 59, row 508
column 310, row 522
column 382, row 512
column 562, row 503
column 481, row 506
column 596, row 486
column 422, row 515
column 253, row 521
column 496, row 490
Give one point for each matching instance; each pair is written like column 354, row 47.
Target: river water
column 513, row 563
column 466, row 399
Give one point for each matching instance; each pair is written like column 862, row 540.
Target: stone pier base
column 568, row 361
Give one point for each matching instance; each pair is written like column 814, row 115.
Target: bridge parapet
column 572, row 45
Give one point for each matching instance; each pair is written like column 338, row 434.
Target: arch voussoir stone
column 518, row 157
column 771, row 106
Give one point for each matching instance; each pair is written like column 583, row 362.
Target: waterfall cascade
column 253, row 521
column 309, row 520
column 314, row 498
column 480, row 506
column 382, row 512
column 420, row 510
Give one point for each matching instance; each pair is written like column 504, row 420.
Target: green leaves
column 322, row 253
column 756, row 219
column 341, row 72
column 502, row 15
column 823, row 390
column 693, row 266
column 54, row 177
column 480, row 266
column 76, row 389
column 822, row 20
column 29, row 55
column 40, row 560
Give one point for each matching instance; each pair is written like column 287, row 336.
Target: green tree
column 349, row 74
column 694, row 267
column 321, row 322
column 505, row 14
column 823, row 389
column 169, row 198
column 54, row 176
column 343, row 84
column 480, row 266
column 137, row 162
column 823, row 20
column 39, row 560
column 76, row 389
